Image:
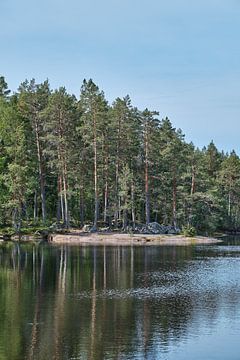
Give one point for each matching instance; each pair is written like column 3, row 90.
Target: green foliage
column 4, row 91
column 74, row 161
column 189, row 231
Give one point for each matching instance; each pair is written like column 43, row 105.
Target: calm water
column 64, row 302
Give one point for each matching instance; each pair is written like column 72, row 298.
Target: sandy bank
column 128, row 239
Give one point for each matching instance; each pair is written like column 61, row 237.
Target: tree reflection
column 102, row 302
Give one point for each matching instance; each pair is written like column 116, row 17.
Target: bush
column 189, row 231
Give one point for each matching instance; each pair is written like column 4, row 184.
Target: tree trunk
column 133, row 205
column 124, row 219
column 41, row 170
column 35, row 207
column 95, row 174
column 147, row 197
column 43, row 196
column 106, row 190
column 117, row 207
column 193, row 185
column 14, row 218
column 105, row 202
column 174, row 204
column 117, row 213
column 81, row 207
column 62, row 161
column 58, row 210
column 59, row 201
column 66, row 210
column 229, row 204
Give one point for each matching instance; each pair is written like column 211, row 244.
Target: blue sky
column 180, row 57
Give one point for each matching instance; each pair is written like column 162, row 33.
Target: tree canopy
column 75, row 161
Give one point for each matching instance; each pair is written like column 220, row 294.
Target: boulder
column 104, row 229
column 156, row 228
column 141, row 228
column 87, row 228
column 172, row 230
column 93, row 229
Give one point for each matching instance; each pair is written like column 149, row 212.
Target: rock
column 155, row 228
column 44, row 234
column 56, row 227
column 117, row 225
column 141, row 228
column 87, row 228
column 53, row 227
column 93, row 229
column 173, row 230
column 104, row 229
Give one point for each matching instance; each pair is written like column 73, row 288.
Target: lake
column 73, row 302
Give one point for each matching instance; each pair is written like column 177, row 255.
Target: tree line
column 75, row 161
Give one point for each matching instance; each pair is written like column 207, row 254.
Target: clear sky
column 180, row 57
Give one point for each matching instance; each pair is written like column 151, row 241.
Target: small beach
column 111, row 238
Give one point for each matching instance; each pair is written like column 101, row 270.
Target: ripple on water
column 196, row 278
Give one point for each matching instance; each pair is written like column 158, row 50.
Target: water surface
column 72, row 302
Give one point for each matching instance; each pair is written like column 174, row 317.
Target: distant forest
column 79, row 160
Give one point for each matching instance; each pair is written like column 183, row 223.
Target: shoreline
column 129, row 239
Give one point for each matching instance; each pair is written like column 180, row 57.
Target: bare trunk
column 105, row 202
column 62, row 161
column 58, row 210
column 43, row 196
column 106, row 190
column 41, row 170
column 95, row 174
column 147, row 197
column 193, row 185
column 14, row 218
column 174, row 208
column 35, row 207
column 59, row 201
column 65, row 196
column 229, row 204
column 124, row 219
column 155, row 206
column 116, row 212
column 119, row 208
column 81, row 207
column 133, row 207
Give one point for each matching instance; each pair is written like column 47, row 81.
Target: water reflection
column 117, row 302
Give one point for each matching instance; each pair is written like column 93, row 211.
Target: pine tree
column 94, row 113
column 33, row 99
column 173, row 154
column 4, row 91
column 150, row 131
column 16, row 177
column 229, row 180
column 59, row 127
column 87, row 161
column 126, row 129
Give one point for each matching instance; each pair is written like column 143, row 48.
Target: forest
column 72, row 161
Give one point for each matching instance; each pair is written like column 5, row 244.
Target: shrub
column 189, row 231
